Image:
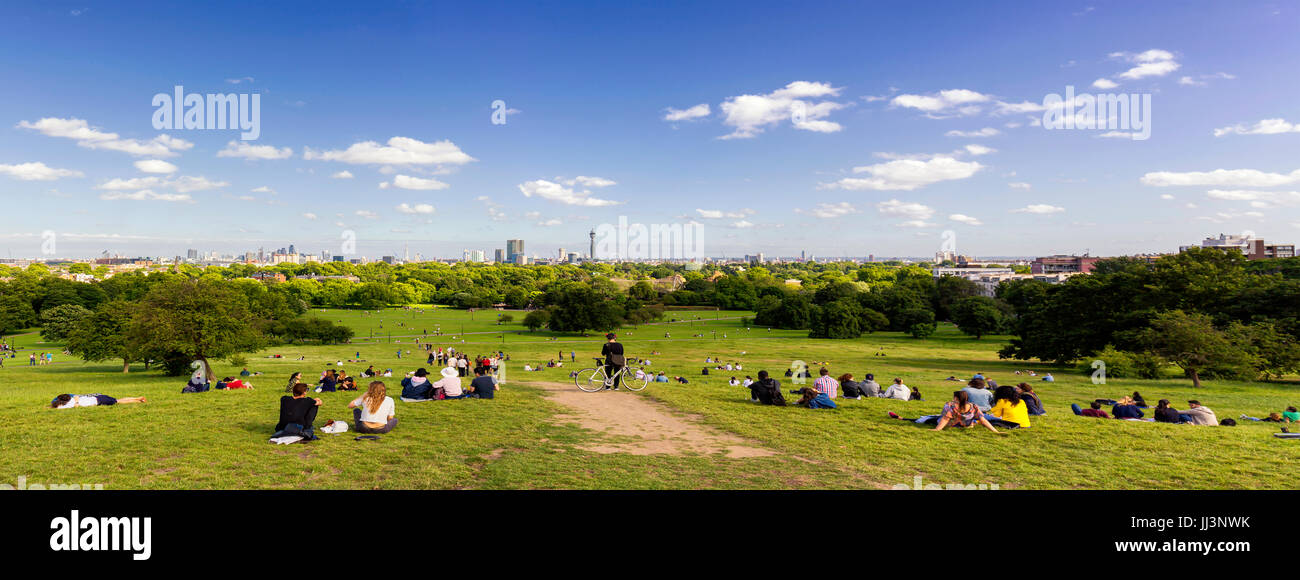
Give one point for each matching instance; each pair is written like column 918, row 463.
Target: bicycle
column 591, row 380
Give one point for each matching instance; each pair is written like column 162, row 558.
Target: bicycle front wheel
column 590, row 380
column 631, row 383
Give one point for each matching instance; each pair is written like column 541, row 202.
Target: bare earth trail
column 640, row 426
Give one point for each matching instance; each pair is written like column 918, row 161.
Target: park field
column 542, row 433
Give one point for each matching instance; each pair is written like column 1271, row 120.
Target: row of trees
column 1208, row 312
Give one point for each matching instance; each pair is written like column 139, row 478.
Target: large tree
column 976, row 315
column 194, row 320
column 1190, row 341
column 104, row 335
column 59, row 321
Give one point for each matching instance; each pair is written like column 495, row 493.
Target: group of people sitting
column 417, row 386
column 1131, row 408
column 991, row 407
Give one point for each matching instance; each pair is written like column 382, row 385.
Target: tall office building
column 592, row 255
column 500, row 256
column 514, row 248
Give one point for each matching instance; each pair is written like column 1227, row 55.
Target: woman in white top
column 733, row 382
column 450, row 383
column 897, row 391
column 374, row 411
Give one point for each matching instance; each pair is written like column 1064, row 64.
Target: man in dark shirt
column 612, row 352
column 298, row 410
column 483, row 386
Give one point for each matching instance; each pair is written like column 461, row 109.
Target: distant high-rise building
column 562, row 254
column 292, row 250
column 500, row 256
column 192, row 254
column 592, row 255
column 574, row 257
column 514, row 248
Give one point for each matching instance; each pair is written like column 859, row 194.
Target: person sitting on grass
column 978, row 394
column 897, row 391
column 1094, row 411
column 483, row 386
column 67, row 401
column 1166, row 413
column 1198, row 414
column 1138, row 400
column 328, row 382
column 766, row 391
column 294, row 379
column 297, row 413
column 813, row 399
column 1125, row 409
column 681, row 380
column 826, row 384
column 1291, row 416
column 660, row 378
column 417, row 386
column 1031, row 399
column 869, row 387
column 374, row 412
column 450, row 384
column 960, row 412
column 852, row 389
column 733, row 382
column 1009, row 406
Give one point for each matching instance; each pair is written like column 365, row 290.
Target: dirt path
column 639, row 426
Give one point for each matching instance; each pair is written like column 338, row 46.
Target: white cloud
column 1166, row 196
column 980, row 150
column 155, row 166
column 345, row 174
column 1226, row 178
column 696, row 112
column 1039, row 208
column 398, row 151
column 245, row 150
column 829, row 210
column 183, row 184
column 419, row 208
column 557, row 192
column 907, row 174
column 585, row 181
column 1151, row 63
column 550, row 222
column 915, row 224
column 752, row 114
column 93, row 138
column 1104, row 84
column 310, row 216
column 146, row 195
column 911, row 210
column 965, row 219
column 742, row 224
column 1258, row 199
column 985, row 132
column 263, row 189
column 37, row 171
column 365, row 213
column 240, row 80
column 1020, row 185
column 943, row 103
column 417, row 183
column 1264, row 127
column 720, row 214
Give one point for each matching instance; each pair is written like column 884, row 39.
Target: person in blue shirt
column 978, row 395
column 1125, row 409
column 814, row 400
column 1049, row 378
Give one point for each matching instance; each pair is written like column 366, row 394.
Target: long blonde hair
column 375, row 396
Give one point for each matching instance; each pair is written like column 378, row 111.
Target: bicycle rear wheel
column 590, row 380
column 630, row 382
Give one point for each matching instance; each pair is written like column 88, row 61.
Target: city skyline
column 888, row 128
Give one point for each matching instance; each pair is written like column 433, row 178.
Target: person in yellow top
column 1008, row 406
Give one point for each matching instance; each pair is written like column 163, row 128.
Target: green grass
column 218, row 440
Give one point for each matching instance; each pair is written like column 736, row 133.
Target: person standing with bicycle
column 612, row 352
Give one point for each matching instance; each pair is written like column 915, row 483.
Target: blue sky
column 401, row 94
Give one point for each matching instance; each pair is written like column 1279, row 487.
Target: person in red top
column 1095, row 411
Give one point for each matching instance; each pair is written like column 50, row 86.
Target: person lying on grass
column 96, row 400
column 374, row 411
column 231, row 383
column 297, row 413
column 960, row 412
column 1095, row 411
column 814, row 400
column 1008, row 406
